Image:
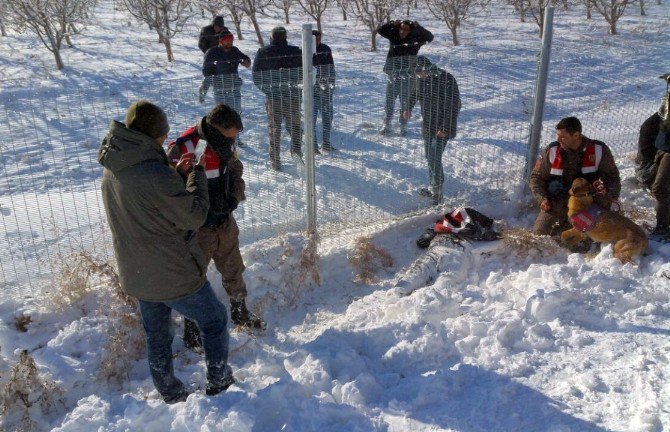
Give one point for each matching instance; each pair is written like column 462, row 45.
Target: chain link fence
column 50, row 204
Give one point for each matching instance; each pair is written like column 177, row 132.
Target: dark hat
column 147, row 118
column 316, row 33
column 278, row 31
column 422, row 63
column 218, row 21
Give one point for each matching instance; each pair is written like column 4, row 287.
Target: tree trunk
column 286, row 12
column 3, row 30
column 257, row 29
column 59, row 61
column 168, row 48
column 373, row 41
column 454, row 35
column 642, row 12
column 318, row 23
column 541, row 24
column 344, row 12
column 613, row 27
column 588, row 10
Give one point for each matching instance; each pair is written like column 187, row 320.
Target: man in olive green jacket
column 153, row 218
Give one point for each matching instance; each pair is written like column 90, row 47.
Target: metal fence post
column 308, row 115
column 540, row 92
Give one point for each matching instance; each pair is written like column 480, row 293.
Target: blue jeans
column 433, row 148
column 211, row 317
column 323, row 101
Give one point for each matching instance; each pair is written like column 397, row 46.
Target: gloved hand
column 232, row 203
column 201, row 96
column 555, row 188
column 424, row 241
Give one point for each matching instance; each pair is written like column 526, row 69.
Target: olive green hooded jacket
column 152, row 217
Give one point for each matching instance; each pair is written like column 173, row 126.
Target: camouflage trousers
column 553, row 222
column 222, row 245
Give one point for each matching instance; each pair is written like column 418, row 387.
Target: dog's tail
column 631, row 247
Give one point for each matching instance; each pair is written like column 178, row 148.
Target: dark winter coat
column 152, row 216
column 323, row 61
column 403, row 51
column 440, row 102
column 226, row 190
column 209, row 38
column 645, row 167
column 572, row 164
column 224, row 64
column 277, row 69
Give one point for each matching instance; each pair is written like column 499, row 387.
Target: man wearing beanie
column 652, row 163
column 219, row 236
column 220, row 69
column 209, row 35
column 277, row 72
column 153, row 217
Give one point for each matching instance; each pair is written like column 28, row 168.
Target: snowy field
column 513, row 335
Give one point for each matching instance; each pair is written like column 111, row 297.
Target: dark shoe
column 384, row 130
column 191, row 334
column 179, row 397
column 403, row 130
column 660, row 234
column 276, row 165
column 212, row 390
column 327, row 148
column 240, row 315
column 424, row 241
column 425, row 192
column 317, row 152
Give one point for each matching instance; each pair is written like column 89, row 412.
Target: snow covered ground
column 502, row 336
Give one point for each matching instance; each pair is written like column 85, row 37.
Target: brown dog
column 600, row 224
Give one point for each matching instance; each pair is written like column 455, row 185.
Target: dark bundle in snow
column 464, row 223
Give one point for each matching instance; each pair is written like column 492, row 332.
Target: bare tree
column 372, row 13
column 166, row 17
column 589, row 8
column 642, row 11
column 454, row 12
column 49, row 20
column 340, row 3
column 252, row 8
column 4, row 11
column 285, row 6
column 611, row 10
column 520, row 7
column 536, row 8
column 236, row 14
column 315, row 9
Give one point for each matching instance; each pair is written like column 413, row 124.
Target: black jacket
column 402, row 51
column 322, row 59
column 277, row 68
column 645, row 167
column 209, row 38
column 440, row 102
column 224, row 64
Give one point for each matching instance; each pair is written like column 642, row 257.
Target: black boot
column 241, row 316
column 191, row 334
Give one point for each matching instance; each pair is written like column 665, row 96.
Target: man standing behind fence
column 218, row 236
column 220, row 69
column 209, row 35
column 437, row 92
column 405, row 39
column 572, row 155
column 277, row 72
column 322, row 59
column 153, row 217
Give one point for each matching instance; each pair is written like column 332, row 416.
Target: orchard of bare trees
column 56, row 23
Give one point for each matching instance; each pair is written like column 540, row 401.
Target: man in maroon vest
column 218, row 237
column 572, row 155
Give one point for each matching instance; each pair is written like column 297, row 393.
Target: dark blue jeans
column 323, row 101
column 209, row 314
column 433, row 148
column 397, row 87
